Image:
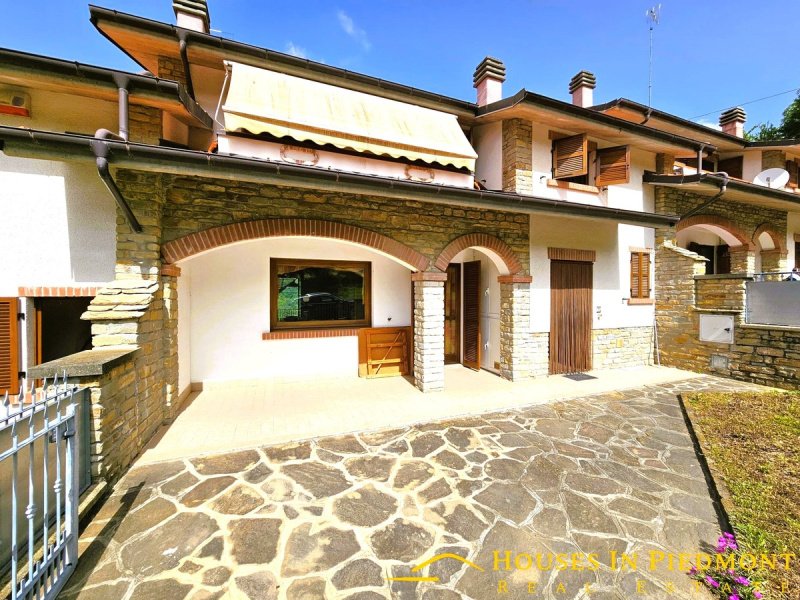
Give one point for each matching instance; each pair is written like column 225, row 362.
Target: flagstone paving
column 520, row 494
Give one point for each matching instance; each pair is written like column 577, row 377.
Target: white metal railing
column 40, row 475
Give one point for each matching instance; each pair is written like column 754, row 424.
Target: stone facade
column 428, row 333
column 773, row 159
column 172, row 69
column 517, row 156
column 622, row 347
column 540, row 353
column 515, row 313
column 144, row 124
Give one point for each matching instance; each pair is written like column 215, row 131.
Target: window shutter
column 570, row 157
column 640, row 274
column 791, row 167
column 9, row 346
column 613, row 166
column 634, row 274
column 732, row 166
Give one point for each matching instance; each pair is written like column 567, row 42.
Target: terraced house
column 241, row 214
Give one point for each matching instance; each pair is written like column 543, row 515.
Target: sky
column 708, row 55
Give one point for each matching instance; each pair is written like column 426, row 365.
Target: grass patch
column 752, row 441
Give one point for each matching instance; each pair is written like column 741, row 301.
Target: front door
column 472, row 313
column 452, row 314
column 570, row 316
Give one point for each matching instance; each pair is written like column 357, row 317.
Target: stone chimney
column 581, row 87
column 192, row 14
column 488, row 80
column 732, row 121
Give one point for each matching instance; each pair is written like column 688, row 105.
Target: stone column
column 517, row 156
column 515, row 334
column 773, row 260
column 743, row 259
column 169, row 281
column 429, row 330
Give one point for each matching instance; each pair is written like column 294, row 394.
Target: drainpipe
column 185, row 60
column 723, row 185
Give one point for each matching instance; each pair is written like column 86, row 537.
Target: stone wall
column 144, row 124
column 540, row 353
column 622, row 347
column 517, row 156
column 172, row 69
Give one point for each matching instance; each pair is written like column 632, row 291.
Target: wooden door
column 570, row 316
column 472, row 313
column 452, row 314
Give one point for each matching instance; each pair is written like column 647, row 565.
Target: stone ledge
column 770, row 327
column 727, row 311
column 82, row 364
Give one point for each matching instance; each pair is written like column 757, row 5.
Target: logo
column 431, row 561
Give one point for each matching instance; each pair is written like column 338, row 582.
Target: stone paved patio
column 337, row 517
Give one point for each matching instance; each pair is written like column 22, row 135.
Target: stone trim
column 56, row 292
column 637, row 249
column 777, row 240
column 429, row 276
column 635, row 301
column 569, row 185
column 208, row 239
column 515, row 279
column 716, row 221
column 170, row 271
column 480, row 240
column 571, row 254
column 303, row 334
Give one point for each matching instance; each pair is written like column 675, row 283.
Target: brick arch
column 215, row 237
column 480, row 240
column 777, row 240
column 720, row 223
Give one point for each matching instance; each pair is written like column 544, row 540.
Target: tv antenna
column 653, row 15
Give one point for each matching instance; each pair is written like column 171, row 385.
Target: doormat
column 579, row 376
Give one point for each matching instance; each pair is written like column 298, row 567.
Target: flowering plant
column 727, row 584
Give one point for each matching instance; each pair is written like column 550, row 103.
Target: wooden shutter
column 791, row 167
column 732, row 166
column 9, row 346
column 613, row 166
column 472, row 307
column 570, row 157
column 640, row 274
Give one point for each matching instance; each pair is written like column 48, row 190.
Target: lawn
column 752, row 443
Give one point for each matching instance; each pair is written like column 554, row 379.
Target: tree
column 788, row 129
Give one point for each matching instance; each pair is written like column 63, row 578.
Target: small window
column 640, row 275
column 613, row 166
column 734, row 167
column 571, row 158
column 319, row 293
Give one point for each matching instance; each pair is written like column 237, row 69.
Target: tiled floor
column 244, row 415
column 343, row 517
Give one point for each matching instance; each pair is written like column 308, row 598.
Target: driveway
column 586, row 498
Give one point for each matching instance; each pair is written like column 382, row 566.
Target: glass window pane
column 318, row 292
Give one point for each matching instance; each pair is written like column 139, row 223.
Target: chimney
column 488, row 80
column 732, row 121
column 192, row 14
column 581, row 87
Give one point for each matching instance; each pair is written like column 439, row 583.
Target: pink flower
column 734, row 597
column 693, row 571
column 742, row 581
column 758, row 595
column 712, row 582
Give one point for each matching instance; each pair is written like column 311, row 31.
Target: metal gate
column 40, row 482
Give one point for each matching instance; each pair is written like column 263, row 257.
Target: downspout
column 184, row 50
column 723, row 185
column 100, row 149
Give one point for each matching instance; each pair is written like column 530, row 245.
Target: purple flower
column 693, row 570
column 712, row 582
column 742, row 581
column 758, row 595
column 734, row 597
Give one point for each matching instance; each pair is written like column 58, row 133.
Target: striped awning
column 263, row 101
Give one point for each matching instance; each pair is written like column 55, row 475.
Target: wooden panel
column 732, row 166
column 472, row 314
column 570, row 157
column 570, row 316
column 384, row 351
column 571, row 254
column 452, row 314
column 9, row 346
column 613, row 166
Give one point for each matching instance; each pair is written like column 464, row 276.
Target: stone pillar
column 429, row 330
column 664, row 164
column 515, row 334
column 169, row 345
column 773, row 260
column 773, row 159
column 743, row 259
column 517, row 156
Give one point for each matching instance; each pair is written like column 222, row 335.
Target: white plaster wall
column 51, row 111
column 611, row 272
column 490, row 306
column 751, row 164
column 229, row 290
column 185, row 327
column 792, row 229
column 57, row 225
column 488, row 143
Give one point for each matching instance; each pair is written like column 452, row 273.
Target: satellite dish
column 772, row 178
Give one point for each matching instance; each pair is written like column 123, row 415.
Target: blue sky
column 708, row 55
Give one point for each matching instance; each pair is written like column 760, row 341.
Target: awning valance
column 263, row 101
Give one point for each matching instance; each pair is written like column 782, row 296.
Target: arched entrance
column 725, row 245
column 771, row 249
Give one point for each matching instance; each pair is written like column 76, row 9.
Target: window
column 319, row 293
column 734, row 167
column 640, row 274
column 613, row 166
column 573, row 156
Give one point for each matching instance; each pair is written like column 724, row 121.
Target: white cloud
column 297, row 51
column 351, row 29
column 710, row 124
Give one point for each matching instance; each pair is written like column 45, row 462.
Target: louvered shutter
column 613, row 166
column 791, row 167
column 472, row 314
column 570, row 157
column 9, row 346
column 640, row 274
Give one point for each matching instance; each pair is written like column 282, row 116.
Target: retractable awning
column 263, row 101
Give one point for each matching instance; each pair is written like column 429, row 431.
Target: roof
column 49, row 145
column 127, row 31
column 263, row 101
column 571, row 117
column 58, row 75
